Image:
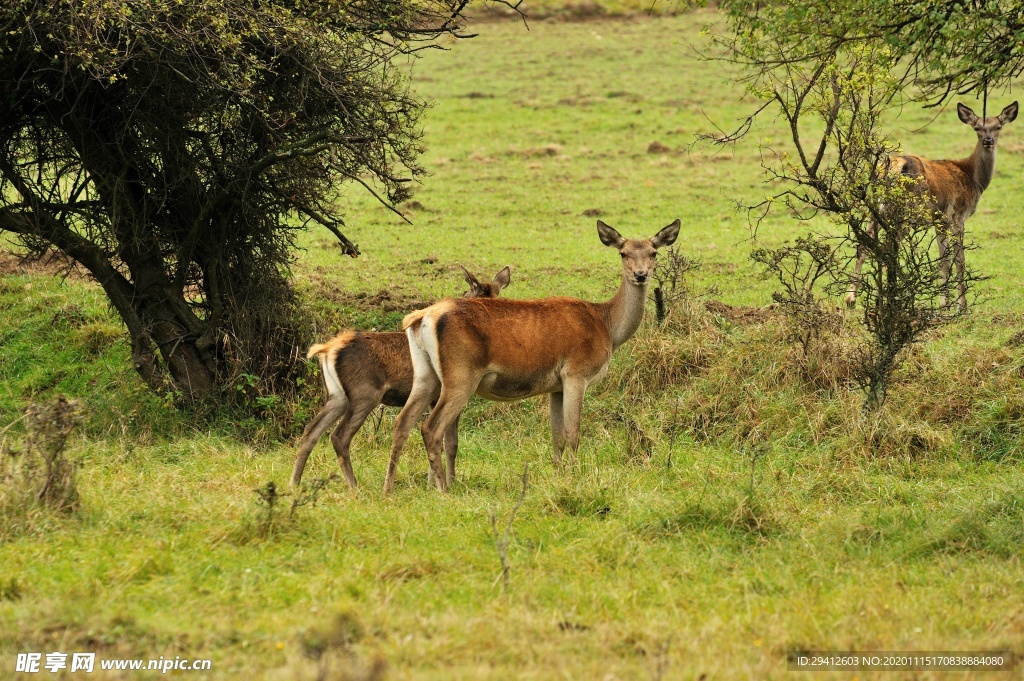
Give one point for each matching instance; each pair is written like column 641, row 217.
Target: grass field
column 725, row 509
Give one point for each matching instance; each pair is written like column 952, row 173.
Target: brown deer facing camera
column 955, row 187
column 508, row 350
column 363, row 370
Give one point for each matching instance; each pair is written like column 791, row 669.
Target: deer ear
column 501, row 279
column 1008, row 114
column 966, row 115
column 667, row 236
column 609, row 237
column 474, row 284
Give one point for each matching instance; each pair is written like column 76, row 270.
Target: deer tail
column 325, row 353
column 413, row 320
column 316, row 349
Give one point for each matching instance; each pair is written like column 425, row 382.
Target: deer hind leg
column 321, row 423
column 572, row 408
column 425, row 389
column 359, row 408
column 862, row 254
column 851, row 294
column 451, row 450
column 958, row 256
column 557, row 428
column 445, row 415
column 944, row 268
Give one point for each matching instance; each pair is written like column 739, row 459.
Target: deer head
column 491, row 290
column 987, row 128
column 638, row 255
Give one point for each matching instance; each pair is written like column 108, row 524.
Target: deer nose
column 990, row 141
column 641, row 277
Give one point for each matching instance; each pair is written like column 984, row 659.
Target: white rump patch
column 428, row 342
column 420, row 359
column 334, row 388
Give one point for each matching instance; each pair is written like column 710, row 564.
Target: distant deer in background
column 363, row 370
column 508, row 350
column 955, row 188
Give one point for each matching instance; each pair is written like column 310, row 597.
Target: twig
column 728, row 137
column 308, row 494
column 17, row 420
column 501, row 542
column 661, row 659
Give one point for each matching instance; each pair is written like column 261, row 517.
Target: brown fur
column 582, row 343
column 955, row 188
column 374, row 359
column 950, row 183
column 512, row 349
column 371, row 369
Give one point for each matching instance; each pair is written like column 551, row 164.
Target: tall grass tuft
column 40, row 478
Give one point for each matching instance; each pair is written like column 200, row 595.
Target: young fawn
column 363, row 370
column 508, row 350
column 955, row 187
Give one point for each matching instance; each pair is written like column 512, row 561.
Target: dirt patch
column 53, row 263
column 579, row 11
column 1008, row 319
column 569, row 11
column 627, row 96
column 580, row 101
column 326, row 286
column 413, row 205
column 382, row 301
column 740, row 314
column 535, row 152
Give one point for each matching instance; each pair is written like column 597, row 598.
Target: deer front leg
column 557, row 428
column 572, row 408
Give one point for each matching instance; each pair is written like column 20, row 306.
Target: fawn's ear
column 1008, row 114
column 609, row 237
column 667, row 235
column 501, row 279
column 965, row 114
column 474, row 284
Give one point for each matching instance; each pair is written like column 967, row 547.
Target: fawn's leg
column 359, row 408
column 321, row 423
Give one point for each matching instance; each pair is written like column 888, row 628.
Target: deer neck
column 982, row 164
column 625, row 311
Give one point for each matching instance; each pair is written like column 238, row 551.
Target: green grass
column 904, row 532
